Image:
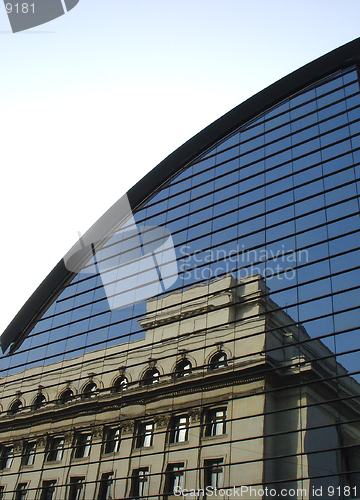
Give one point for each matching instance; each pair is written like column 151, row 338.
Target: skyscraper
column 204, row 332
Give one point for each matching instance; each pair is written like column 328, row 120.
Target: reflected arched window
column 39, row 402
column 151, row 376
column 183, row 368
column 218, row 360
column 15, row 407
column 66, row 396
column 90, row 390
column 120, row 384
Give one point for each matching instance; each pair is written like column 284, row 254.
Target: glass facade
column 279, row 199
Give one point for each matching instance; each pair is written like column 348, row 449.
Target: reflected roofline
column 138, row 195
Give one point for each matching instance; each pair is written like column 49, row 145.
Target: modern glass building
column 205, row 331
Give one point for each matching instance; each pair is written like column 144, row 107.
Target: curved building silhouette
column 202, row 338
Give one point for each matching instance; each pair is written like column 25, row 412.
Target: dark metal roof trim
column 60, row 276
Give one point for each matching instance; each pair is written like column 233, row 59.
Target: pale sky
column 92, row 101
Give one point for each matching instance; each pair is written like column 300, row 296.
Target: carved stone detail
column 152, row 363
column 162, row 421
column 68, row 437
column 18, row 446
column 195, row 415
column 98, row 432
column 41, row 442
column 128, row 427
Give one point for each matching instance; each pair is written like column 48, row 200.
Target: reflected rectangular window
column 174, row 479
column 346, row 300
column 344, row 226
column 315, row 289
column 28, row 457
column 179, row 429
column 139, row 482
column 21, row 491
column 329, row 111
column 76, row 488
column 215, row 422
column 305, row 133
column 144, row 435
column 48, row 490
column 7, row 457
column 306, row 116
column 213, row 473
column 349, row 279
column 112, row 440
column 342, row 210
column 82, row 445
column 349, row 320
column 306, row 147
column 56, row 449
column 340, row 245
column 105, row 488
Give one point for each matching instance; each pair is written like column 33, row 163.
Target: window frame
column 113, row 439
column 150, row 377
column 7, row 455
column 174, row 478
column 139, row 483
column 39, row 402
column 82, row 447
column 120, row 385
column 54, row 450
column 213, row 473
column 66, row 396
column 21, row 491
column 90, row 390
column 214, row 423
column 216, row 362
column 29, row 453
column 76, row 487
column 179, row 429
column 183, row 369
column 144, row 437
column 105, row 485
column 48, row 486
column 15, row 407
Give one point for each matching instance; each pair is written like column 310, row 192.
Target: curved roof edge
column 60, row 276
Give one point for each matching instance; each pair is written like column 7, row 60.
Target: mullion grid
column 266, row 157
column 236, row 269
column 276, row 180
column 216, row 153
column 306, row 341
column 291, row 219
column 235, row 442
column 287, row 205
column 332, row 334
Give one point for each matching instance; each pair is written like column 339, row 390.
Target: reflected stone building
column 205, row 331
column 224, row 391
